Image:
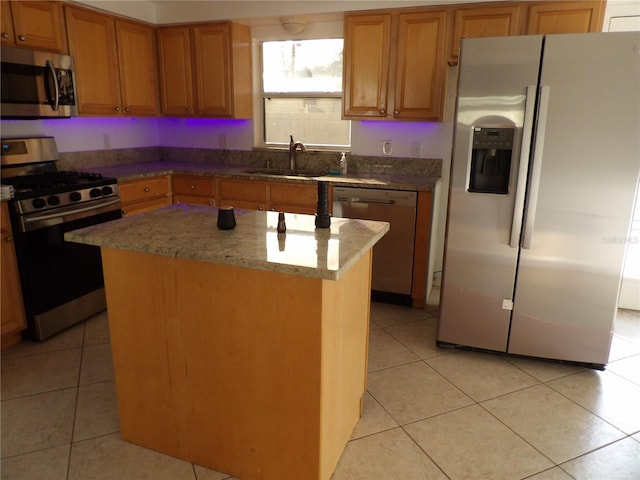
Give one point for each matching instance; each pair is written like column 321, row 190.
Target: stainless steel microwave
column 37, row 84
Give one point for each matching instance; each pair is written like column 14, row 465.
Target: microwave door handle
column 525, row 150
column 55, row 101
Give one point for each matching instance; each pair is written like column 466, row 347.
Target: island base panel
column 253, row 373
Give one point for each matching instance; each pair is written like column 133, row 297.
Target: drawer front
column 250, row 191
column 192, row 185
column 194, row 200
column 145, row 206
column 135, row 190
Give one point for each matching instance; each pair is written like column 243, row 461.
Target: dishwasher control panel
column 374, row 195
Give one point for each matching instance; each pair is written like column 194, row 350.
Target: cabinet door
column 6, row 22
column 12, row 316
column 137, row 66
column 175, row 67
column 38, row 25
column 193, row 185
column 366, row 65
column 420, row 71
column 293, row 197
column 242, row 194
column 143, row 189
column 92, row 42
column 485, row 21
column 565, row 17
column 212, row 57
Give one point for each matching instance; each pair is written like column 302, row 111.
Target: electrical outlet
column 416, row 149
column 386, row 147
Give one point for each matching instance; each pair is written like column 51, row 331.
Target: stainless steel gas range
column 62, row 282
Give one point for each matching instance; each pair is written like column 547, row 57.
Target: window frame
column 263, row 96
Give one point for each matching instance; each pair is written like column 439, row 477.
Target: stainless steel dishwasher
column 393, row 255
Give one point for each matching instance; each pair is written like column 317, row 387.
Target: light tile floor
column 429, row 413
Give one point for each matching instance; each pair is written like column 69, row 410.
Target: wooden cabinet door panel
column 366, row 65
column 13, row 318
column 92, row 42
column 293, row 197
column 6, row 22
column 193, row 185
column 38, row 25
column 485, row 21
column 420, row 72
column 242, row 194
column 565, row 17
column 213, row 70
column 135, row 190
column 137, row 66
column 175, row 69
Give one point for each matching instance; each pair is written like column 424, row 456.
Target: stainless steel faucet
column 293, row 146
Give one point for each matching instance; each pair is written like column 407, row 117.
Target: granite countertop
column 369, row 180
column 190, row 232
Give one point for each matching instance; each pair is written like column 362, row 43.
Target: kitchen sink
column 282, row 172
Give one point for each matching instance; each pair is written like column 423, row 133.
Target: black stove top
column 51, row 183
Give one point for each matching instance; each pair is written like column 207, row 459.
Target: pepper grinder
column 282, row 226
column 323, row 219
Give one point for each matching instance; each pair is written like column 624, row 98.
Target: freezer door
column 584, row 177
column 496, row 88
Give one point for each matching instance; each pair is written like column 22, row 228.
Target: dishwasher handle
column 365, row 202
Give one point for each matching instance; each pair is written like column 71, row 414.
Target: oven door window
column 53, row 271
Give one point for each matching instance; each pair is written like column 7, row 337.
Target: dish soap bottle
column 343, row 164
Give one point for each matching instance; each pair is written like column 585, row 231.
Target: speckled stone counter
column 190, row 232
column 239, row 350
column 368, row 180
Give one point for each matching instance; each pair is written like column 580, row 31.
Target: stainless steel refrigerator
column 545, row 169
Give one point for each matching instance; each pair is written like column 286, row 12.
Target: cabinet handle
column 188, row 110
column 127, row 109
column 192, row 187
column 5, row 35
column 8, row 238
column 260, row 208
column 22, row 38
column 396, row 112
column 117, row 109
column 146, row 190
column 210, row 203
column 124, row 212
column 382, row 111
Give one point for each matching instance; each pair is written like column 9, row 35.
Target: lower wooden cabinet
column 137, row 196
column 13, row 318
column 293, row 197
column 194, row 190
column 250, row 194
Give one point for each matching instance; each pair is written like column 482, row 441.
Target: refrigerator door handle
column 536, row 167
column 523, row 167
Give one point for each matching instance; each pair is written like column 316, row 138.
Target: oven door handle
column 30, row 223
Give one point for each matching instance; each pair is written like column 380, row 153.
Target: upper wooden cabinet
column 565, row 17
column 394, row 64
column 36, row 25
column 483, row 20
column 205, row 70
column 115, row 62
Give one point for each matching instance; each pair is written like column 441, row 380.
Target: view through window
column 302, row 93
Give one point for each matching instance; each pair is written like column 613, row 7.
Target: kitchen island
column 240, row 350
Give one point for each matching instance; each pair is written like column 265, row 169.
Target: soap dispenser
column 343, row 163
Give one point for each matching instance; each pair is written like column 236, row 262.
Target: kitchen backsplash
column 320, row 162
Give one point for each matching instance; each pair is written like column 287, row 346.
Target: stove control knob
column 39, row 202
column 107, row 190
column 53, row 200
column 95, row 192
column 75, row 196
